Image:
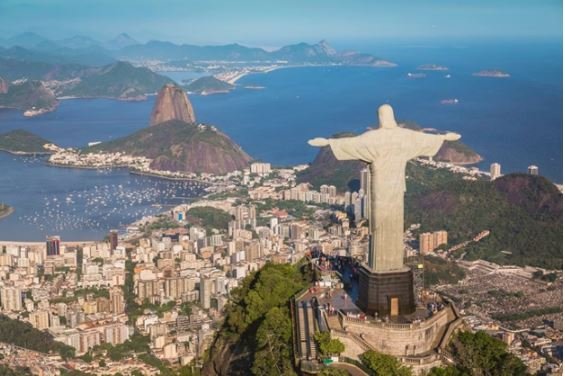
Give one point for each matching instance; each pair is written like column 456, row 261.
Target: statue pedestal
column 387, row 293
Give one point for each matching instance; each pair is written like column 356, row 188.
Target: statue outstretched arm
column 319, row 142
column 346, row 148
column 427, row 145
column 450, row 136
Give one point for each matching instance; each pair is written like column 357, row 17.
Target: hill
column 257, row 334
column 20, row 141
column 24, row 335
column 180, row 146
column 119, row 80
column 208, row 85
column 172, row 104
column 28, row 95
column 17, row 63
column 522, row 212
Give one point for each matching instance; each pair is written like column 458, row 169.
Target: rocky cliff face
column 172, row 104
column 3, row 86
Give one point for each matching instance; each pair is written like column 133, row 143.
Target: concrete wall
column 402, row 339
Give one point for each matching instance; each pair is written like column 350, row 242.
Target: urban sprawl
column 179, row 268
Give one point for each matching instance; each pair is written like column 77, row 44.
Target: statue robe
column 387, row 150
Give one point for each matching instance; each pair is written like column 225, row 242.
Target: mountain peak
column 326, row 47
column 172, row 104
column 121, row 40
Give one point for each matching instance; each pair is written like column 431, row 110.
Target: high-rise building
column 245, row 215
column 113, row 238
column 205, row 292
column 440, row 238
column 117, row 300
column 116, row 333
column 495, row 171
column 53, row 245
column 39, row 319
column 365, row 187
column 430, row 241
column 260, row 168
column 426, row 243
column 365, row 179
column 533, row 170
column 11, row 298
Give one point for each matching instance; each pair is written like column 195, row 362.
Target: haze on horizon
column 272, row 24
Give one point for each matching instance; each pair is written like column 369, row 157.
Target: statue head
column 386, row 117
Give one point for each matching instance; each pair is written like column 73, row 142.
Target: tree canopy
column 328, row 345
column 383, row 364
column 479, row 354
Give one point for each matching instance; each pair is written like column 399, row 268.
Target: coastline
column 240, row 74
column 133, row 171
column 26, row 153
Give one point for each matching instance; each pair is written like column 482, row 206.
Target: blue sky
column 272, row 23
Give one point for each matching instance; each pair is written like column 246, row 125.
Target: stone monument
column 385, row 284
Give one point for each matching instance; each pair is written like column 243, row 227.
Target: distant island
column 449, row 101
column 415, row 75
column 22, row 142
column 492, row 73
column 433, row 67
column 5, row 210
column 209, row 85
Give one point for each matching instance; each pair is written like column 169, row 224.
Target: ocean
column 515, row 121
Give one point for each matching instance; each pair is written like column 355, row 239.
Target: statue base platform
column 386, row 293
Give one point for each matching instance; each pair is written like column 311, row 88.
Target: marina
column 81, row 204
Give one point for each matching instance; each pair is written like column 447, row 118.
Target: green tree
column 384, row 365
column 330, row 371
column 186, row 308
column 447, row 371
column 272, row 356
column 102, row 363
column 328, row 345
column 479, row 354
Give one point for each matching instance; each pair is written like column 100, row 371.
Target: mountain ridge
column 85, row 50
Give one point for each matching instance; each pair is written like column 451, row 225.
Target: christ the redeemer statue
column 387, row 150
